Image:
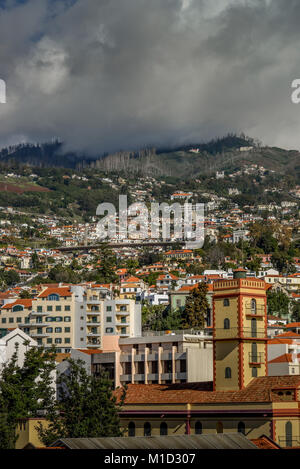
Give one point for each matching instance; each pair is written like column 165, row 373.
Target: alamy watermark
column 2, row 92
column 164, row 222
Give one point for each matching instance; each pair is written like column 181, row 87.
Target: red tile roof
column 285, row 358
column 27, row 303
column 61, row 291
column 258, row 390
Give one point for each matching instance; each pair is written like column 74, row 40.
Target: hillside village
column 131, row 310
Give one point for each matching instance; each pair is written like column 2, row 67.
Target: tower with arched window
column 240, row 331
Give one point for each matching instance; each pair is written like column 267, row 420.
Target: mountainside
column 204, row 159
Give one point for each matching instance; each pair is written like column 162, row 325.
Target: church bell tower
column 240, row 331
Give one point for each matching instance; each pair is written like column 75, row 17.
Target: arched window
column 254, row 372
column 241, row 428
column 228, row 372
column 53, row 297
column 147, row 429
column 219, row 427
column 226, row 323
column 253, row 306
column 226, row 302
column 163, row 429
column 131, row 429
column 198, row 428
column 289, row 434
column 17, row 308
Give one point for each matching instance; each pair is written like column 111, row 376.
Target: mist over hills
column 205, row 158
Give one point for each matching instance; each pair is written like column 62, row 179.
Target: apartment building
column 74, row 316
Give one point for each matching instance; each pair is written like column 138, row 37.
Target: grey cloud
column 109, row 74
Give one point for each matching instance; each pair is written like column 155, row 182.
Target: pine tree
column 196, row 308
column 24, row 391
column 86, row 407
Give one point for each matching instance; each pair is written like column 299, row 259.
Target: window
column 58, row 319
column 123, row 308
column 49, row 308
column 253, row 306
column 253, row 327
column 11, row 320
column 67, row 340
column 289, row 434
column 108, row 308
column 226, row 302
column 198, row 428
column 39, row 309
column 17, row 308
column 67, row 329
column 254, row 372
column 49, row 329
column 109, row 330
column 3, row 320
column 131, row 429
column 241, row 428
column 58, row 329
column 163, row 429
column 226, row 323
column 67, row 318
column 19, row 319
column 228, row 373
column 67, row 308
column 53, row 297
column 108, row 319
column 58, row 341
column 219, row 427
column 147, row 429
column 49, row 341
column 58, row 308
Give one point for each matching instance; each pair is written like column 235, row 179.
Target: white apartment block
column 72, row 316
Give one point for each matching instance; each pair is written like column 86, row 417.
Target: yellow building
column 241, row 397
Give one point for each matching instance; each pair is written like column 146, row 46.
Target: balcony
column 93, row 323
column 93, row 343
column 38, row 335
column 93, row 334
column 256, row 358
column 39, row 313
column 289, row 442
column 237, row 333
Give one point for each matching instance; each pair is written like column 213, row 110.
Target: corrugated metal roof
column 216, row 441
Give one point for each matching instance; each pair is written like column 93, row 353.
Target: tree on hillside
column 24, row 391
column 278, row 303
column 85, row 408
column 282, row 262
column 196, row 308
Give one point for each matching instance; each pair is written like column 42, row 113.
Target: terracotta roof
column 27, row 303
column 265, row 442
column 281, row 341
column 90, row 351
column 61, row 291
column 292, row 324
column 285, row 358
column 258, row 390
column 289, row 334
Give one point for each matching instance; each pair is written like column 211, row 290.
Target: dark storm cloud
column 109, row 74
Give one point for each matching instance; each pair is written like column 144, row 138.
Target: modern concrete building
column 73, row 316
column 156, row 357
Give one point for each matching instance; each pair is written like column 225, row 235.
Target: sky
column 108, row 75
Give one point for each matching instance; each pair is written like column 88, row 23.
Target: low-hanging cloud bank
column 119, row 74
